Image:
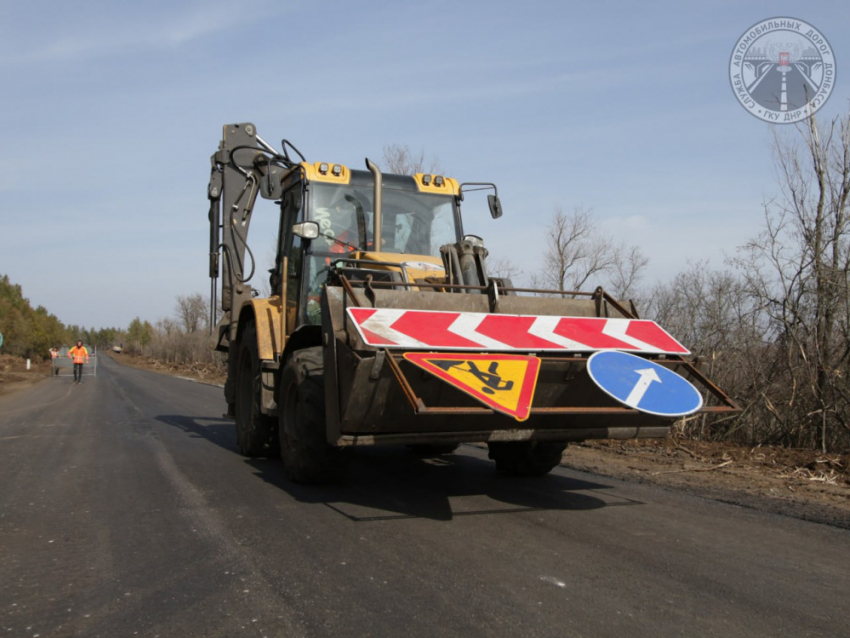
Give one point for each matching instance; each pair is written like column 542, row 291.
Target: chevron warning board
column 504, row 382
column 433, row 329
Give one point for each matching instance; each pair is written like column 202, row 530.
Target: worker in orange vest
column 80, row 356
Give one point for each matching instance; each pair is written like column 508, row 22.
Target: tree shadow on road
column 389, row 483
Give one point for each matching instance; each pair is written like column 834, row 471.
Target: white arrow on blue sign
column 642, row 384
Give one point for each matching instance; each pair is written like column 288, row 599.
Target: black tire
column 256, row 433
column 526, row 458
column 427, row 451
column 307, row 456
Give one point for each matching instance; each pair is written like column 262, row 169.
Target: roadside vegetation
column 772, row 325
column 27, row 332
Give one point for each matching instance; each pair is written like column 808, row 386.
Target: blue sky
column 111, row 111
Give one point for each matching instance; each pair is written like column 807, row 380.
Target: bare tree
column 775, row 330
column 503, row 268
column 798, row 270
column 577, row 254
column 400, row 160
column 627, row 271
column 710, row 312
column 191, row 312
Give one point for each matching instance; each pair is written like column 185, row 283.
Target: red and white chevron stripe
column 434, row 329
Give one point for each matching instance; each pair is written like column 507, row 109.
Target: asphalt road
column 126, row 511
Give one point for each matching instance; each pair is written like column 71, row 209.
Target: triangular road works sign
column 504, row 382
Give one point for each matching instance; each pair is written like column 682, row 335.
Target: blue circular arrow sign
column 642, row 384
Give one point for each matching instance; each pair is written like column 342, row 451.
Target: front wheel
column 256, row 433
column 307, row 455
column 526, row 458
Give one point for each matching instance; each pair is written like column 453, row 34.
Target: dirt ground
column 208, row 373
column 800, row 483
column 15, row 376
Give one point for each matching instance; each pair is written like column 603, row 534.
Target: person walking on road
column 80, row 356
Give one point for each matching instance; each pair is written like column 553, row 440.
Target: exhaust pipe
column 376, row 206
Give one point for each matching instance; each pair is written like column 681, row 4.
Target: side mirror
column 495, row 206
column 306, row 230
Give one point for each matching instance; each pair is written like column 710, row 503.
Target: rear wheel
column 307, row 455
column 526, row 458
column 256, row 433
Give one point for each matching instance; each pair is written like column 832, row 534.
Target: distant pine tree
column 27, row 332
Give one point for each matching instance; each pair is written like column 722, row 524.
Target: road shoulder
column 799, row 483
column 15, row 377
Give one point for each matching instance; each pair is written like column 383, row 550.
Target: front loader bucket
column 379, row 394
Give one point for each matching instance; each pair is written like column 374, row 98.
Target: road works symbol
column 504, row 382
column 643, row 385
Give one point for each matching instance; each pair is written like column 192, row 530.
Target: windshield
column 413, row 223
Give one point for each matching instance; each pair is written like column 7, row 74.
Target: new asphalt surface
column 125, row 510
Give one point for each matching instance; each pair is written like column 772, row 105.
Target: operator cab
column 414, row 222
column 418, row 217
